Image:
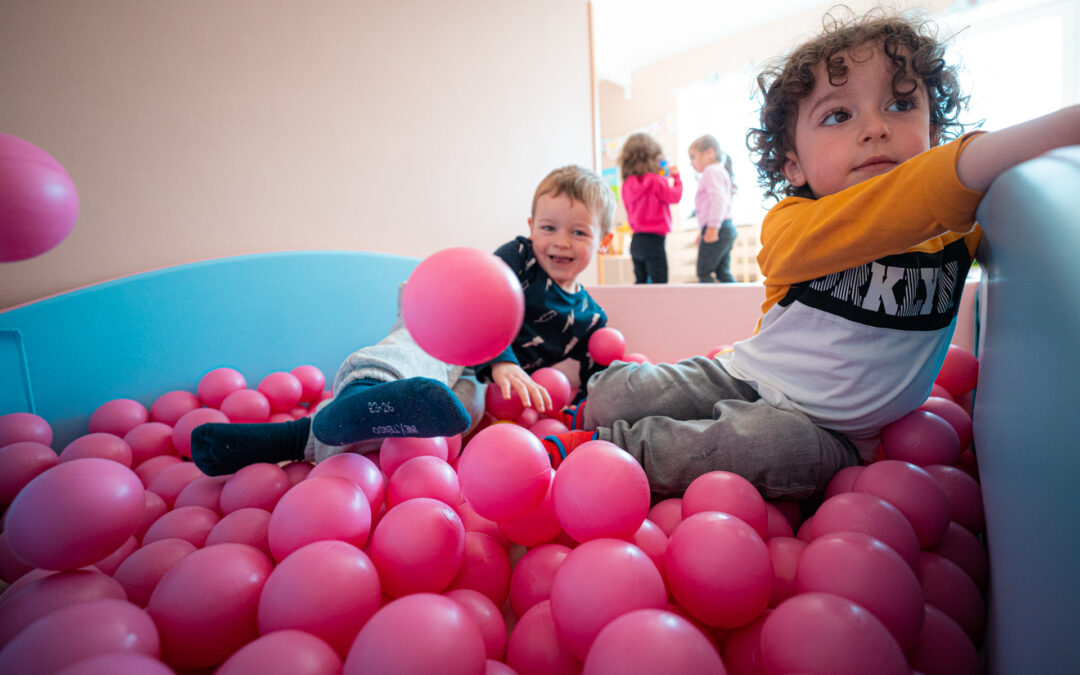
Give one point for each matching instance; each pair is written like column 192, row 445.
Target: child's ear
column 606, row 241
column 792, row 170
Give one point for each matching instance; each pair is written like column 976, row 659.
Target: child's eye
column 836, row 117
column 901, row 105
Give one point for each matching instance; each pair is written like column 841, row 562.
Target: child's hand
column 509, row 377
column 673, row 170
column 712, row 234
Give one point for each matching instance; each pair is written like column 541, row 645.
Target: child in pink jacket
column 648, row 198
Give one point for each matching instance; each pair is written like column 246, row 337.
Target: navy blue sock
column 220, row 449
column 416, row 407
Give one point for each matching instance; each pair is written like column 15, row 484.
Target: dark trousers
column 715, row 257
column 650, row 258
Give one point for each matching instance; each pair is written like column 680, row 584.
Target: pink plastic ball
column 283, row 652
column 871, row 515
column 778, row 525
column 20, row 426
column 953, row 413
column 652, row 541
column 547, row 426
column 360, row 469
column 949, row 588
column 396, row 451
column 502, row 408
column 581, row 607
column 527, row 418
column 205, row 607
column 148, row 470
column 487, row 618
column 149, row 440
column 172, row 479
column 534, row 646
column 246, row 406
column 181, row 436
column 191, row 523
column 474, row 522
column 298, row 470
column 418, row 546
column 21, row 462
column 39, row 593
column 38, row 200
column 118, row 417
column 326, row 588
column 964, row 496
column 652, row 641
column 88, row 629
column 282, row 390
column 420, row 633
column 316, row 509
column 600, row 491
column 255, row 485
column 959, row 373
column 742, row 648
column 463, row 306
column 842, row 480
column 204, row 492
column 423, row 476
column 943, row 647
column 922, row 438
column 109, row 564
column 667, row 514
column 530, row 581
column 557, row 385
column 453, row 448
column 141, row 571
column 636, row 357
column 504, row 472
column 869, row 573
column 538, row 527
column 243, row 526
column 98, row 444
column 219, row 383
column 914, row 492
column 485, row 568
column 312, row 382
column 171, row 406
column 825, row 633
column 963, row 548
column 718, row 569
column 784, row 553
column 91, row 505
column 129, row 663
column 727, row 492
column 11, row 568
column 940, row 392
column 607, row 345
column 155, row 508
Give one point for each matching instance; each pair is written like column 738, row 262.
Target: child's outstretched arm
column 988, row 155
column 511, row 378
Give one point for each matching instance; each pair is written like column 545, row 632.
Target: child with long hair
column 648, row 197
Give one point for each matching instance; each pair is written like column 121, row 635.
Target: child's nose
column 874, row 127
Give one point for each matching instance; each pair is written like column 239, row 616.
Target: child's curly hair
column 641, row 154
column 909, row 43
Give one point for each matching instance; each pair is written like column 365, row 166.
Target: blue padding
column 1027, row 419
column 141, row 336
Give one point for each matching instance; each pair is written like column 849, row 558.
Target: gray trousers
column 714, row 258
column 681, row 420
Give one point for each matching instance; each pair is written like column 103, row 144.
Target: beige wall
column 207, row 128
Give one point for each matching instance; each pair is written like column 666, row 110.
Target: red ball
column 504, row 472
column 463, row 306
column 316, row 509
column 118, row 417
column 649, row 641
column 959, row 372
column 557, row 385
column 921, row 437
column 914, row 492
column 283, row 652
column 953, row 413
column 16, row 427
column 607, row 345
column 418, row 546
column 21, row 462
column 502, row 408
column 600, row 491
column 727, row 492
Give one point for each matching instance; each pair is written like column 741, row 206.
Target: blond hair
column 580, row 185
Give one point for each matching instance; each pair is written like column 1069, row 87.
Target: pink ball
column 21, row 462
column 825, row 633
column 88, row 629
column 19, row 426
column 964, row 495
column 149, row 469
column 109, row 564
column 282, row 390
column 316, row 509
column 600, row 491
column 327, row 588
column 581, row 607
column 871, row 515
column 396, row 451
column 718, row 569
column 914, row 492
column 502, row 408
column 453, row 447
column 38, row 200
column 652, row 541
column 418, row 546
column 778, row 525
column 298, row 470
column 652, row 641
column 667, row 514
column 129, row 663
column 191, row 523
column 742, row 647
column 530, row 581
column 181, row 436
column 149, row 440
column 940, row 392
column 172, row 479
column 944, row 647
column 953, row 413
column 243, row 526
column 420, row 633
column 312, row 381
column 474, row 522
column 504, row 472
column 487, row 618
column 922, row 438
column 463, row 306
column 528, row 417
column 963, row 548
column 155, row 508
column 283, row 652
column 784, row 553
column 360, row 470
column 538, row 527
column 948, row 587
column 205, row 607
column 636, row 357
column 423, row 476
column 219, row 383
column 960, row 371
column 557, row 385
column 255, row 485
column 98, row 444
column 246, row 406
column 547, row 426
column 534, row 646
column 39, row 593
column 141, row 571
column 607, row 345
column 204, row 492
column 727, row 492
column 11, row 568
column 92, row 505
column 869, row 573
column 171, row 406
column 118, row 417
column 842, row 480
column 485, row 568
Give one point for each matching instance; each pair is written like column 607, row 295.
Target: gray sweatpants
column 681, row 420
